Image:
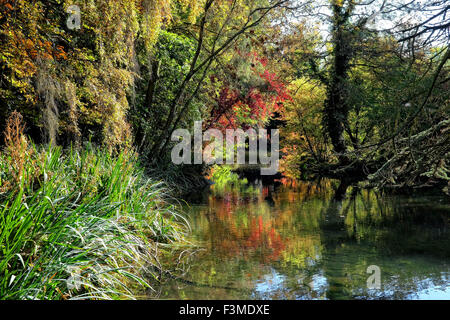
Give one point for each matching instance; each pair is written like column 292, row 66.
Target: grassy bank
column 80, row 224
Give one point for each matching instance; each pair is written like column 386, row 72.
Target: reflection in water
column 315, row 241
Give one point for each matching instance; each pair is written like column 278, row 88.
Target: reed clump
column 80, row 224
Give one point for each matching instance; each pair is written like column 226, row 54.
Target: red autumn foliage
column 238, row 109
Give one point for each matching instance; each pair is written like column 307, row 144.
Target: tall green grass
column 81, row 225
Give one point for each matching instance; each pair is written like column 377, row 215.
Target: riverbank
column 349, row 176
column 82, row 224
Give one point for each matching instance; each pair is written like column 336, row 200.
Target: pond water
column 315, row 240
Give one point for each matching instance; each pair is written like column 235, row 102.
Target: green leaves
column 94, row 214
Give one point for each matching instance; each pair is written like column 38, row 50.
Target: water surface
column 315, row 240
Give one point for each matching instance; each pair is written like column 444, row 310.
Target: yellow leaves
column 302, row 134
column 339, row 3
column 153, row 13
column 195, row 8
column 94, row 87
column 18, row 54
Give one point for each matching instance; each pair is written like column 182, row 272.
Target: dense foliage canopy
column 361, row 87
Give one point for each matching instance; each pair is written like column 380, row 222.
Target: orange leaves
column 46, row 49
column 60, row 53
column 26, row 40
column 29, row 47
column 5, row 8
column 8, row 6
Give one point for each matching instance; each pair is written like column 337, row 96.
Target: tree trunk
column 154, row 74
column 140, row 134
column 336, row 108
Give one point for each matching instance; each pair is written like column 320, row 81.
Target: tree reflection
column 315, row 240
